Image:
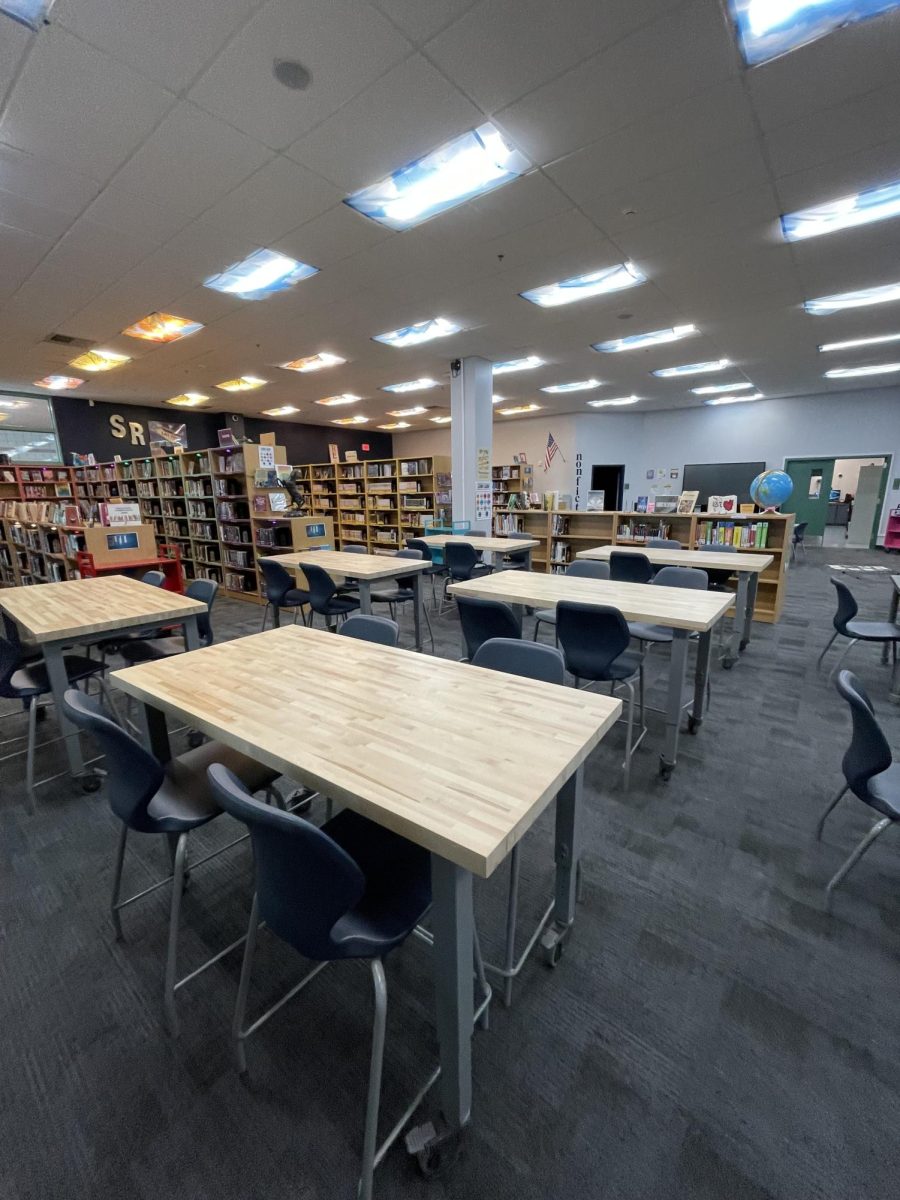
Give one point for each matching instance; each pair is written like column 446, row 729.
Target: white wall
column 846, row 473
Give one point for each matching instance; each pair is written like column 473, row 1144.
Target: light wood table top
column 495, row 545
column 458, row 759
column 49, row 612
column 676, row 608
column 359, row 566
column 712, row 559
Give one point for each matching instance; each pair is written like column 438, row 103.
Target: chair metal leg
column 837, row 665
column 512, row 913
column 430, row 630
column 178, row 874
column 629, row 734
column 370, row 1140
column 876, row 831
column 29, row 756
column 240, row 1007
column 117, row 884
column 828, row 646
column 827, row 813
column 262, row 627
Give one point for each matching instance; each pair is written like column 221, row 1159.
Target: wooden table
column 368, row 716
column 366, row 569
column 494, row 545
column 748, row 568
column 51, row 616
column 682, row 610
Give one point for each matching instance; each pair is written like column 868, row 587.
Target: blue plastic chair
column 138, row 650
column 482, row 620
column 324, row 598
column 281, row 592
column 582, row 568
column 846, row 625
column 629, row 568
column 368, row 628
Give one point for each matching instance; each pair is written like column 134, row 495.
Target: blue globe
column 771, row 489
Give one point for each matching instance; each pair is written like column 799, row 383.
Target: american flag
column 551, row 451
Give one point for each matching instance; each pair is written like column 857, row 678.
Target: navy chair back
column 630, row 568
column 407, row 582
column 591, row 636
column 482, row 620
column 204, row 590
column 422, row 546
column 305, row 881
column 321, row 586
column 154, row 578
column 586, row 568
column 663, row 543
column 847, row 607
column 533, row 660
column 460, row 557
column 683, row 577
column 134, row 775
column 10, row 661
column 278, row 581
column 369, row 628
column 718, row 579
column 800, row 532
column 868, row 753
column 355, row 549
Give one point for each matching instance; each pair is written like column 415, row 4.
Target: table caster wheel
column 665, row 771
column 552, row 943
column 195, row 738
column 435, row 1150
column 728, row 663
column 744, row 646
column 694, row 724
column 91, row 783
column 299, row 801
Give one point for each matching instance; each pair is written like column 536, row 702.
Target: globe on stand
column 771, row 489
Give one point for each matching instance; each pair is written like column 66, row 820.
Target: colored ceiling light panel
column 31, row 13
column 284, row 410
column 414, row 335
column 522, row 408
column 396, row 425
column 260, row 275
column 713, row 389
column 823, row 306
column 99, row 360
column 58, row 383
column 701, row 368
column 640, row 341
column 162, row 327
column 855, row 343
column 862, row 208
column 616, row 402
column 718, row 400
column 336, row 401
column 518, row 364
column 583, row 287
column 411, row 385
column 357, row 420
column 244, row 383
column 578, row 385
column 769, row 28
column 188, row 400
column 858, row 372
column 408, row 412
column 468, row 166
column 314, row 362
column 441, row 420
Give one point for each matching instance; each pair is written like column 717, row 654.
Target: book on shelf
column 235, row 533
column 746, row 535
column 230, row 464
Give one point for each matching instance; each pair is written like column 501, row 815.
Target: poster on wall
column 482, row 463
column 123, row 514
column 167, row 437
column 484, row 495
column 266, row 456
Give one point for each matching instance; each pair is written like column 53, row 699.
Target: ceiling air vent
column 63, row 339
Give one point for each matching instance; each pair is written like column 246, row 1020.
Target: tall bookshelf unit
column 508, row 481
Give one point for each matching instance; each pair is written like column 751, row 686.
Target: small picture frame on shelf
column 687, row 502
column 722, row 506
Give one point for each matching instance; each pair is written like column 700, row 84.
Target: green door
column 812, row 488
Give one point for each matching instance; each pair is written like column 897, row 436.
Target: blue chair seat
column 884, row 792
column 185, row 797
column 649, row 633
column 627, row 664
column 31, row 679
column 875, row 631
column 151, row 649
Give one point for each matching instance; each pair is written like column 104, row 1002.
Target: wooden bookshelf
column 509, row 481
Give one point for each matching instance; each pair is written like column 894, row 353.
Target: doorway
column 611, row 481
column 826, row 491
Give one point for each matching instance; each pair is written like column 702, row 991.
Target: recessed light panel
column 357, row 420
column 583, row 287
column 414, row 335
column 245, row 383
column 99, row 360
column 822, row 306
column 188, row 400
column 314, row 362
column 769, row 28
column 616, row 402
column 856, row 372
column 162, row 327
column 440, row 420
column 861, row 208
column 498, row 399
column 713, row 389
column 577, row 385
column 518, row 364
column 284, row 410
column 408, row 412
column 396, row 425
column 716, row 401
column 58, row 383
column 701, row 368
column 468, row 166
column 640, row 341
column 31, row 13
column 515, row 412
column 260, row 275
column 855, row 343
column 337, row 401
column 411, row 385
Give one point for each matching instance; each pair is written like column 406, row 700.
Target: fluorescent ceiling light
column 582, row 287
column 396, row 425
column 441, row 420
column 414, row 335
column 862, row 208
column 162, row 327
column 768, row 28
column 495, row 399
column 578, row 385
column 468, row 166
column 713, row 389
column 356, row 420
column 617, row 402
column 314, row 362
column 854, row 372
column 522, row 408
column 411, row 385
column 12, row 403
column 31, row 13
column 701, row 368
column 854, row 343
column 188, row 400
column 284, row 410
column 99, row 360
column 518, row 364
column 260, row 275
column 336, row 401
column 244, row 383
column 717, row 400
column 638, row 341
column 823, row 305
column 58, row 383
column 416, row 411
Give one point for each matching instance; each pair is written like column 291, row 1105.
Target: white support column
column 471, row 389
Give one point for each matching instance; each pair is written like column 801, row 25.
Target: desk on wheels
column 364, row 712
column 682, row 610
column 365, row 569
column 52, row 616
column 494, row 545
column 747, row 567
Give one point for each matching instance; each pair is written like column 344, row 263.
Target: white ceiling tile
column 77, row 107
column 29, row 177
column 503, row 49
column 373, row 135
column 32, row 217
column 20, row 252
column 168, row 41
column 280, row 196
column 335, row 235
column 13, row 46
column 835, row 132
column 345, row 45
column 147, row 215
column 869, row 167
column 422, row 19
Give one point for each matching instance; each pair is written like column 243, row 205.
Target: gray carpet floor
column 710, row 1034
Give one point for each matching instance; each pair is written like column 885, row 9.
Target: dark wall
column 85, row 429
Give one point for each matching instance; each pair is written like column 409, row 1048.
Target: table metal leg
column 59, row 682
column 892, row 617
column 365, row 596
column 154, row 731
column 737, row 625
column 752, row 587
column 567, row 855
column 418, row 607
column 677, row 668
column 192, row 633
column 701, row 678
column 454, row 1002
column 528, row 559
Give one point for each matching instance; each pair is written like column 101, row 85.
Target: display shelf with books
column 323, row 489
column 636, row 528
column 511, row 484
